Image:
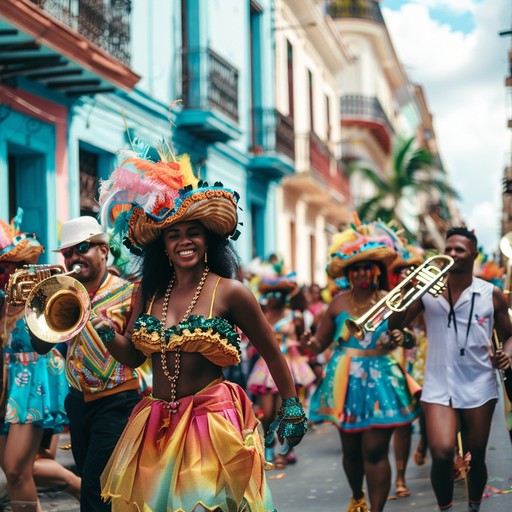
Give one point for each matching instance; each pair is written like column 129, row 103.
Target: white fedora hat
column 81, row 229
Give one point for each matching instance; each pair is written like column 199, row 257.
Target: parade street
column 317, row 483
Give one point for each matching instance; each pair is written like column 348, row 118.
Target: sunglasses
column 81, row 248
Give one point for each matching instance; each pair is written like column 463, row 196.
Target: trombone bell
column 57, row 309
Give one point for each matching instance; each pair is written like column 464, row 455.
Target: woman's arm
column 245, row 312
column 323, row 337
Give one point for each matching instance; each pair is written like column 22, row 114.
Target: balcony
column 318, row 173
column 362, row 9
column 104, row 22
column 209, row 94
column 367, row 112
column 274, row 144
column 72, row 47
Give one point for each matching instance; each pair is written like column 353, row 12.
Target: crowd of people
column 193, row 375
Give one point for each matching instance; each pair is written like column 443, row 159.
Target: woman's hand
column 391, row 339
column 309, row 342
column 290, row 425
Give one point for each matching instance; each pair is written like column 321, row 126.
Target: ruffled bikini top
column 215, row 338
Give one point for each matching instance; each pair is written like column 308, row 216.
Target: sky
column 453, row 49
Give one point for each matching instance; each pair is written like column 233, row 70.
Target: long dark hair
column 156, row 271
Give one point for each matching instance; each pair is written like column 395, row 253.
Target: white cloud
column 456, row 6
column 463, row 78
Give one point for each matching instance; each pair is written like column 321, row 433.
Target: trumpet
column 428, row 277
column 57, row 306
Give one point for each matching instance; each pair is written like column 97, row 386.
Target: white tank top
column 462, row 381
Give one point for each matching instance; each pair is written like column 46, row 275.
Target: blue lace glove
column 291, row 424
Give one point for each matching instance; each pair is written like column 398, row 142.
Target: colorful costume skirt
column 36, row 390
column 208, row 456
column 260, row 380
column 360, row 393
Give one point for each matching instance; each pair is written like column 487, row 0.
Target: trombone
column 428, row 277
column 57, row 306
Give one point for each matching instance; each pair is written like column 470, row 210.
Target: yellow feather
column 186, row 171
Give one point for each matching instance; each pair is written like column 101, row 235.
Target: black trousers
column 95, row 428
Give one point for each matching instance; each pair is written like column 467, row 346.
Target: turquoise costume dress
column 363, row 387
column 36, row 384
column 205, row 452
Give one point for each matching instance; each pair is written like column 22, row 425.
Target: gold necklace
column 173, row 403
column 360, row 308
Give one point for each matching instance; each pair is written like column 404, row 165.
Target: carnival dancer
column 288, row 326
column 194, row 443
column 33, row 390
column 364, row 392
column 460, row 388
column 412, row 360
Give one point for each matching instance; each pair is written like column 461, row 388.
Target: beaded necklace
column 173, row 402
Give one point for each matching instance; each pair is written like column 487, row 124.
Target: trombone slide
column 428, row 277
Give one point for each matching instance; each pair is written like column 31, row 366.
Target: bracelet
column 106, row 334
column 408, row 341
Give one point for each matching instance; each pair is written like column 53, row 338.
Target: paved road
column 317, row 482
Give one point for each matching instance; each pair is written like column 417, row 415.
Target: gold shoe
column 357, row 505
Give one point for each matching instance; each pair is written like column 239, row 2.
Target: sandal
column 401, row 491
column 357, row 505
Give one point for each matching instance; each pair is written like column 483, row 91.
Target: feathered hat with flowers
column 17, row 247
column 145, row 195
column 408, row 256
column 371, row 241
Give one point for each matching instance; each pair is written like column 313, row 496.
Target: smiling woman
column 195, row 443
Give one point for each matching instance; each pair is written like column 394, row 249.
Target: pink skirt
column 208, row 453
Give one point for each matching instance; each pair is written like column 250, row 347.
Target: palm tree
column 413, row 171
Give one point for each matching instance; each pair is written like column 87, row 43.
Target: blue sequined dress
column 36, row 384
column 362, row 390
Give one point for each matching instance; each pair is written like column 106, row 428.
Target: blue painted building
column 217, row 57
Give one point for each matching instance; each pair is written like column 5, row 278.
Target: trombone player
column 460, row 387
column 102, row 392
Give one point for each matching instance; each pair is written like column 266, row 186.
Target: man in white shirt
column 460, row 389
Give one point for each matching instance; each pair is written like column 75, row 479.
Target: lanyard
column 451, row 316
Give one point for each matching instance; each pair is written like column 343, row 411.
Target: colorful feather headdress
column 489, row 269
column 17, row 247
column 372, row 241
column 408, row 256
column 142, row 197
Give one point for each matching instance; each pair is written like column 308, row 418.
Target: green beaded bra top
column 213, row 337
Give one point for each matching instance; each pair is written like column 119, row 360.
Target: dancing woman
column 364, row 392
column 33, row 390
column 194, row 444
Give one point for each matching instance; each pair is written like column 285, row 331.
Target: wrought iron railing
column 356, row 105
column 274, row 131
column 363, row 9
column 208, row 81
column 104, row 22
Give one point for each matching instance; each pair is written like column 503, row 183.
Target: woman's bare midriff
column 196, row 372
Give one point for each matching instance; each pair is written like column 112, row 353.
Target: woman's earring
column 205, row 256
column 170, row 261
